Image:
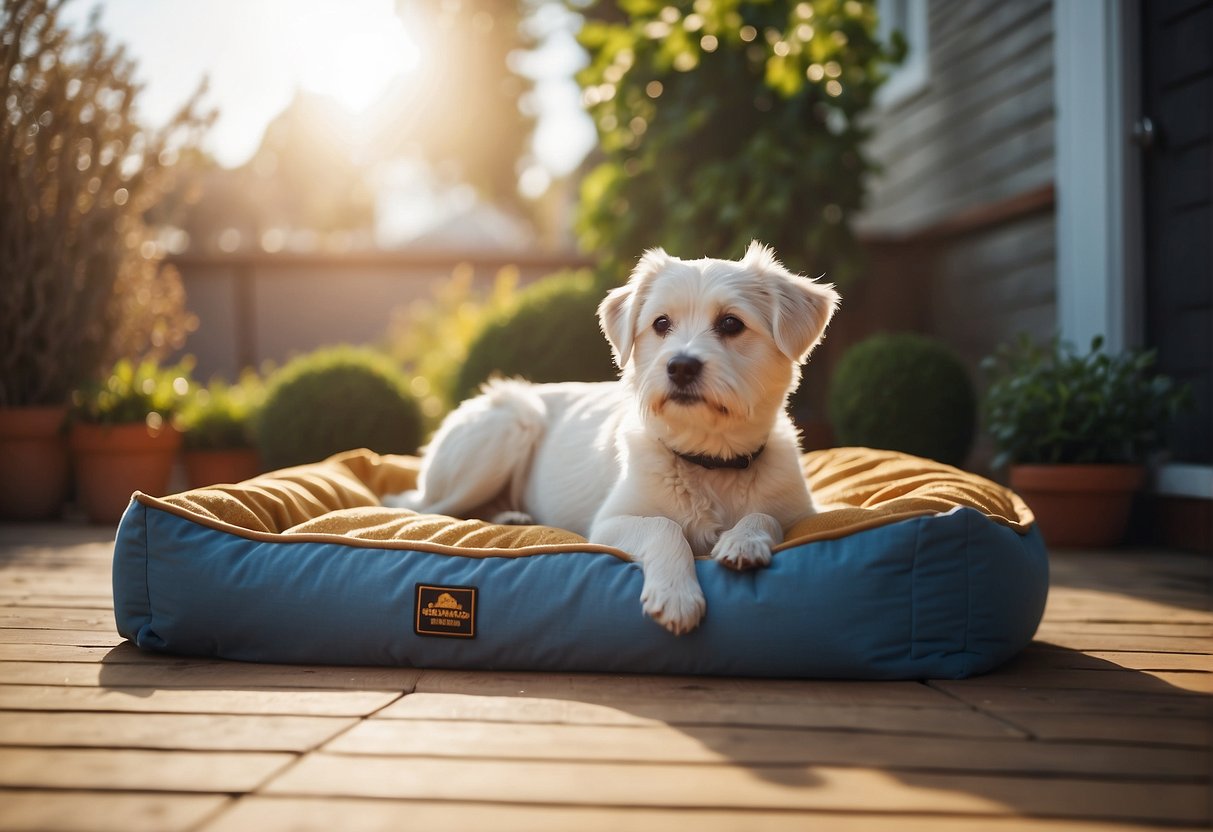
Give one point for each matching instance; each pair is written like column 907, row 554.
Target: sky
column 256, row 53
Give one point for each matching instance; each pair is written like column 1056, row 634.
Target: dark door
column 1177, row 89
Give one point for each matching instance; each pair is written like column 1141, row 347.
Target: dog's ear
column 618, row 311
column 802, row 307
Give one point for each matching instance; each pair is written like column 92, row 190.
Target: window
column 909, row 17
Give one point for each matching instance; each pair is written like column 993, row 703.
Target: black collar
column 712, row 463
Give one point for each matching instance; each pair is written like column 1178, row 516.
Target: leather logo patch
column 448, row 611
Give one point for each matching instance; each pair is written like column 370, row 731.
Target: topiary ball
column 550, row 334
column 904, row 392
column 333, row 400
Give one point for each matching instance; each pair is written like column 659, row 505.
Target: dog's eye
column 729, row 325
column 662, row 325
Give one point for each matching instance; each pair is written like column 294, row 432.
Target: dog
column 690, row 453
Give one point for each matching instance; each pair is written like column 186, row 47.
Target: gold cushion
column 338, row 500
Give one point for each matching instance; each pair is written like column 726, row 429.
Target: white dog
column 690, row 453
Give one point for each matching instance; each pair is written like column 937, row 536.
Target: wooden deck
column 1105, row 719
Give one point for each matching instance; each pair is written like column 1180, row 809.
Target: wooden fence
column 254, row 307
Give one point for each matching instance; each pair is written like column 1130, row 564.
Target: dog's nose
column 683, row 369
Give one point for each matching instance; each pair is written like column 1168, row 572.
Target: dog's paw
column 740, row 550
column 677, row 608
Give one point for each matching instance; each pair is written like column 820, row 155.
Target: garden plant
column 336, row 399
column 123, row 435
column 84, row 283
column 723, row 121
column 1051, row 404
column 1077, row 429
column 904, row 392
column 550, row 333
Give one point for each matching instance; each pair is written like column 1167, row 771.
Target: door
column 1175, row 134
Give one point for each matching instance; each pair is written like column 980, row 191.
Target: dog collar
column 712, row 463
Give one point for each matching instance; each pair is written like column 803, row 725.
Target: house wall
column 960, row 225
column 967, row 172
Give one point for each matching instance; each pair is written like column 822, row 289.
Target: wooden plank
column 70, row 586
column 186, row 732
column 72, row 581
column 121, row 652
column 34, row 537
column 1094, row 605
column 61, row 601
column 1125, row 728
column 1143, row 681
column 90, row 578
column 327, row 814
column 998, row 698
column 94, row 638
column 207, row 673
column 1043, row 667
column 1173, row 629
column 760, row 746
column 957, row 722
column 177, row 771
column 1140, row 570
column 159, row 700
column 773, row 787
column 1080, row 640
column 1195, row 662
column 679, row 691
column 56, row 618
column 38, row 811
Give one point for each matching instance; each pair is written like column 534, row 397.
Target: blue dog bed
column 916, row 570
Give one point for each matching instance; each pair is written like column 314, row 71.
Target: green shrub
column 333, row 400
column 904, row 392
column 1049, row 404
column 132, row 393
column 550, row 334
column 220, row 416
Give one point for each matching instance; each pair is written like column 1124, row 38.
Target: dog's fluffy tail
column 481, row 453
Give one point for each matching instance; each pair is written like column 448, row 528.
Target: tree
column 461, row 110
column 721, row 121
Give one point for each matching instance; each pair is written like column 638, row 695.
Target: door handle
column 1145, row 134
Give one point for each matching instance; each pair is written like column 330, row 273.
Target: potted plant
column 216, row 422
column 77, row 176
column 1077, row 430
column 122, row 435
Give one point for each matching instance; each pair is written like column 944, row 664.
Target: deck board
column 304, row 814
column 1107, row 717
column 83, row 811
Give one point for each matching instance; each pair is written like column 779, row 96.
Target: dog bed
column 913, row 570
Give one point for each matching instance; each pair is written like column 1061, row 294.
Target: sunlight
column 351, row 58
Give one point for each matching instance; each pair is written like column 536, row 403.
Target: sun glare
column 351, row 52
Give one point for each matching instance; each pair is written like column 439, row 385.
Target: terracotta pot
column 34, row 463
column 112, row 461
column 1082, row 506
column 203, row 468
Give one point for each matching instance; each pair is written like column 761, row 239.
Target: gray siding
column 982, row 129
column 986, row 288
column 980, row 132
column 977, row 138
